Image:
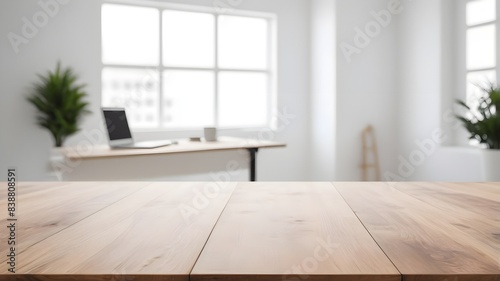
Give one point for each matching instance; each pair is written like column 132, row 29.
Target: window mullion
column 497, row 31
column 158, row 67
column 481, row 69
column 216, row 72
column 160, row 74
column 481, row 24
column 270, row 85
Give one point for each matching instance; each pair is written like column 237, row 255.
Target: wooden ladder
column 369, row 146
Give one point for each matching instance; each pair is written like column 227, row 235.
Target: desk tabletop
column 184, row 146
column 256, row 231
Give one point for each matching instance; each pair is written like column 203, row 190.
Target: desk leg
column 253, row 159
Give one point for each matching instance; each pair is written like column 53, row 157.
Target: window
column 185, row 67
column 481, row 49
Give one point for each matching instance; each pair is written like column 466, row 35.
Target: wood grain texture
column 290, row 231
column 142, row 237
column 44, row 209
column 432, row 231
column 223, row 143
column 267, row 232
column 94, row 277
column 488, row 191
column 443, row 277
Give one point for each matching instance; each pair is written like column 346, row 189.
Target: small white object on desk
column 210, row 134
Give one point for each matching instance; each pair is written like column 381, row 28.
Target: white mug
column 210, row 134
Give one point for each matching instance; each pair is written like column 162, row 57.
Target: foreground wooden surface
column 272, row 231
column 255, row 231
column 145, row 236
column 432, row 231
column 53, row 207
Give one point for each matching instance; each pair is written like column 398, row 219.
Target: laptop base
column 144, row 145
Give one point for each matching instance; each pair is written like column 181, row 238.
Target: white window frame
column 497, row 27
column 458, row 63
column 271, row 71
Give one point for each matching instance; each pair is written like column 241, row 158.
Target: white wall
column 366, row 92
column 353, row 91
column 73, row 37
column 323, row 89
column 68, row 37
column 400, row 82
column 423, row 87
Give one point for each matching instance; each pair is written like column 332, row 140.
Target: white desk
column 184, row 146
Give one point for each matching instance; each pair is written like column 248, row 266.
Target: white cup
column 210, row 134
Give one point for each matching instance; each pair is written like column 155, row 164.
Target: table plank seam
column 373, row 238
column 211, row 231
column 259, row 232
column 84, row 218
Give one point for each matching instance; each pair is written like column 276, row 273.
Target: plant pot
column 56, row 161
column 491, row 165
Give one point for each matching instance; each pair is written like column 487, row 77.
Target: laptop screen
column 116, row 123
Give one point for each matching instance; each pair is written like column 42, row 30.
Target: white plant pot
column 491, row 165
column 56, row 159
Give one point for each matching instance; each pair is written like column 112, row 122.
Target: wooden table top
column 255, row 231
column 184, row 146
column 432, row 231
column 56, row 206
column 155, row 233
column 280, row 230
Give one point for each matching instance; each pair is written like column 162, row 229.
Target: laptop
column 119, row 131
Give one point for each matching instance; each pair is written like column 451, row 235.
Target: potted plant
column 483, row 123
column 60, row 103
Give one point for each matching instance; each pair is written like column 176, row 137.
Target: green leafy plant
column 60, row 103
column 483, row 121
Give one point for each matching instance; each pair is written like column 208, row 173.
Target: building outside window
column 176, row 67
